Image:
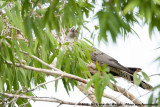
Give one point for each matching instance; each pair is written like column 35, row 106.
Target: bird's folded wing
column 115, row 68
column 103, row 58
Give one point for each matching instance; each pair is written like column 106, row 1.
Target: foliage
column 27, row 25
column 155, row 96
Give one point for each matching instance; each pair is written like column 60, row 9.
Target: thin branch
column 81, row 100
column 91, row 92
column 51, row 72
column 47, row 99
column 113, row 98
column 41, row 61
column 142, row 95
column 25, row 40
column 44, row 84
column 15, row 98
column 127, row 94
column 154, row 75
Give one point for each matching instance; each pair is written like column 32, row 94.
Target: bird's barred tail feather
column 129, row 77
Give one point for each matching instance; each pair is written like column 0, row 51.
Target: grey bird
column 116, row 68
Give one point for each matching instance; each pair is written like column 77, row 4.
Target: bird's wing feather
column 103, row 58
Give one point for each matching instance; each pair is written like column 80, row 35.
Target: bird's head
column 72, row 33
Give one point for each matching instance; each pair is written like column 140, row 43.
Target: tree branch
column 15, row 98
column 59, row 73
column 46, row 99
column 127, row 94
column 51, row 72
column 91, row 96
column 90, row 93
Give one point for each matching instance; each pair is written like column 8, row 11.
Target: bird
column 116, row 69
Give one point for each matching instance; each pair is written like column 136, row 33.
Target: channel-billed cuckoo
column 116, row 68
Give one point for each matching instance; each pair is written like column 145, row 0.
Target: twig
column 154, row 75
column 81, row 100
column 113, row 98
column 47, row 99
column 44, row 84
column 91, row 92
column 127, row 94
column 141, row 95
column 41, row 61
column 25, row 40
column 15, row 98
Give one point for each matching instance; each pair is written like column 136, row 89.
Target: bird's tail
column 145, row 85
column 129, row 77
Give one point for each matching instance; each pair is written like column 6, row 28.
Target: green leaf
column 150, row 29
column 66, row 85
column 27, row 21
column 94, row 78
column 56, row 84
column 19, row 54
column 86, row 28
column 35, row 46
column 156, row 87
column 96, row 27
column 108, row 78
column 148, row 12
column 137, row 79
column 51, row 38
column 60, row 59
column 88, row 41
column 146, row 77
column 24, row 47
column 85, row 49
column 97, row 90
column 150, row 100
column 1, row 25
column 84, row 69
column 107, row 69
column 21, row 77
column 157, row 1
column 112, row 78
column 38, row 33
column 1, row 85
column 130, row 6
column 67, row 66
column 1, row 2
column 98, row 66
